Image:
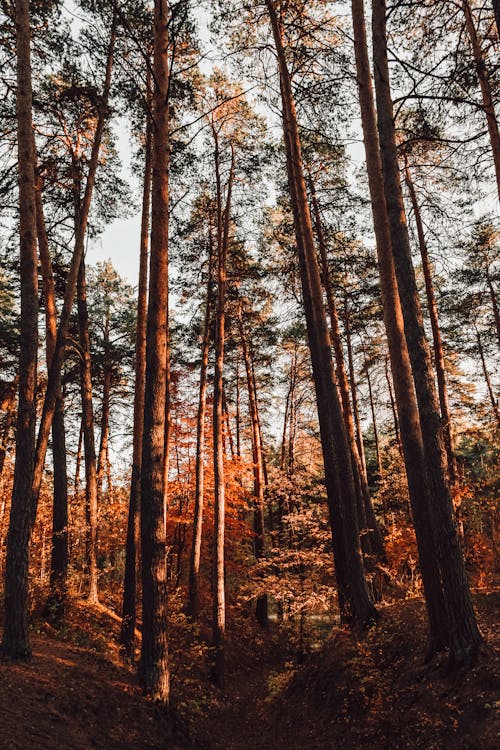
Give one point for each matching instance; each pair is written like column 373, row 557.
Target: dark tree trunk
column 354, row 599
column 154, row 670
column 463, row 636
column 194, row 568
column 23, row 508
column 371, row 542
column 407, row 410
column 91, row 496
column 129, row 608
column 53, row 382
column 436, row 330
column 60, row 553
column 261, row 613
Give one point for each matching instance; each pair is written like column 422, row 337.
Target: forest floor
column 376, row 693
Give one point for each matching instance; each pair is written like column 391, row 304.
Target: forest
column 249, row 374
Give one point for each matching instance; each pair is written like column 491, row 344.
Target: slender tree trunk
column 194, row 568
column 15, row 636
column 91, row 494
column 52, row 389
column 436, row 330
column 105, row 407
column 393, row 407
column 219, row 601
column 366, row 516
column 407, row 410
column 238, row 420
column 487, row 379
column 354, row 599
column 374, row 417
column 154, row 670
column 261, row 613
column 463, row 636
column 485, row 86
column 60, row 554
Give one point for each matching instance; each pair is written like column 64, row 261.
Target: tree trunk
column 485, row 86
column 91, row 495
column 59, row 555
column 374, row 417
column 129, row 608
column 105, row 406
column 436, row 330
column 219, row 601
column 411, row 436
column 194, row 568
column 15, row 642
column 354, row 599
column 50, row 398
column 154, row 670
column 463, row 636
column 487, row 379
column 355, row 446
column 261, row 613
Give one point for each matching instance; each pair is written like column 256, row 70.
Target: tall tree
column 463, row 636
column 129, row 608
column 406, row 404
column 15, row 637
column 154, row 670
column 355, row 603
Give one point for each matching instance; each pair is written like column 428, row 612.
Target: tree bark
column 487, row 379
column 372, row 542
column 219, row 600
column 463, row 636
column 129, row 608
column 194, row 568
column 485, row 86
column 15, row 641
column 354, row 599
column 91, row 494
column 261, row 613
column 60, row 554
column 154, row 670
column 436, row 330
column 407, row 410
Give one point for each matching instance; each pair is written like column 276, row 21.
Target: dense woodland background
column 270, row 470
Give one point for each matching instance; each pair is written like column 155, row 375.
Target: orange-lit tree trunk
column 15, row 641
column 354, row 599
column 407, row 410
column 59, row 555
column 462, row 634
column 154, row 669
column 219, row 600
column 435, row 327
column 261, row 613
column 194, row 568
column 129, row 608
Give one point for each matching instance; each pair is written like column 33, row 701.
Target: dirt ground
column 376, row 693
